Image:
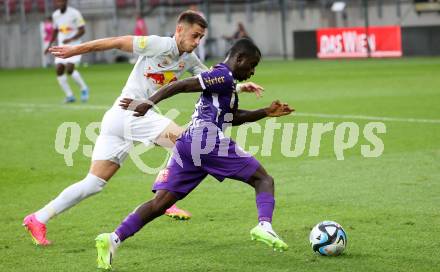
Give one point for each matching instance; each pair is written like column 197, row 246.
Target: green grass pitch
column 388, row 205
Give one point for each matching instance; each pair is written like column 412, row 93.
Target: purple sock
column 131, row 224
column 265, row 206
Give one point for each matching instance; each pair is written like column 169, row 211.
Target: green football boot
column 105, row 251
column 269, row 237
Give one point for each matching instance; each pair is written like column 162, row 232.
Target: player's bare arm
column 79, row 34
column 250, row 87
column 140, row 107
column 276, row 109
column 123, row 43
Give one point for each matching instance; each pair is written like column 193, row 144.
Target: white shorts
column 74, row 60
column 120, row 129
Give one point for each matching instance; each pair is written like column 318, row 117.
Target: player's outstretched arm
column 250, row 87
column 275, row 109
column 140, row 107
column 123, row 43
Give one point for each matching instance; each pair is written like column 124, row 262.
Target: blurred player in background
column 221, row 157
column 69, row 27
column 162, row 60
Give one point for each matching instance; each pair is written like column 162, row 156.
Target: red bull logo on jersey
column 161, row 78
column 65, row 29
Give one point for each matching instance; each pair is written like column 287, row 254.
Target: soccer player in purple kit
column 203, row 149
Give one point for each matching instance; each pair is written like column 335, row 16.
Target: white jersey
column 159, row 63
column 67, row 24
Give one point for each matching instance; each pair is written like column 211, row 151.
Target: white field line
column 302, row 114
column 55, row 106
column 365, row 117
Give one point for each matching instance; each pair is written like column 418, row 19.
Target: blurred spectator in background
column 201, row 49
column 238, row 34
column 46, row 30
column 140, row 28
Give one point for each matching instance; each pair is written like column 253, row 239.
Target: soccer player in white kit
column 68, row 29
column 161, row 60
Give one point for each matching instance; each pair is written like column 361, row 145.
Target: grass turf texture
column 387, row 205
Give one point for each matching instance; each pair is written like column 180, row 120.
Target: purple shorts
column 183, row 174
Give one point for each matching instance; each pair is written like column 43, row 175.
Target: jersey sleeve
column 217, row 81
column 195, row 65
column 79, row 20
column 151, row 45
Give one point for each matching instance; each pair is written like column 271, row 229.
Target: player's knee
column 60, row 70
column 70, row 71
column 104, row 170
column 70, row 67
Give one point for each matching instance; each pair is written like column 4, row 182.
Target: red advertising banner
column 351, row 42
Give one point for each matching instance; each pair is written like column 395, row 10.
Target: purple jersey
column 203, row 149
column 217, row 103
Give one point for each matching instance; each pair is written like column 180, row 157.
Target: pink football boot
column 36, row 229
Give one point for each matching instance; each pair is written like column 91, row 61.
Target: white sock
column 116, row 242
column 71, row 196
column 62, row 80
column 266, row 225
column 78, row 79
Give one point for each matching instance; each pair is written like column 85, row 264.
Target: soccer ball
column 328, row 238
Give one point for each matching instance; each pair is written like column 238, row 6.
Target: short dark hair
column 246, row 47
column 192, row 17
